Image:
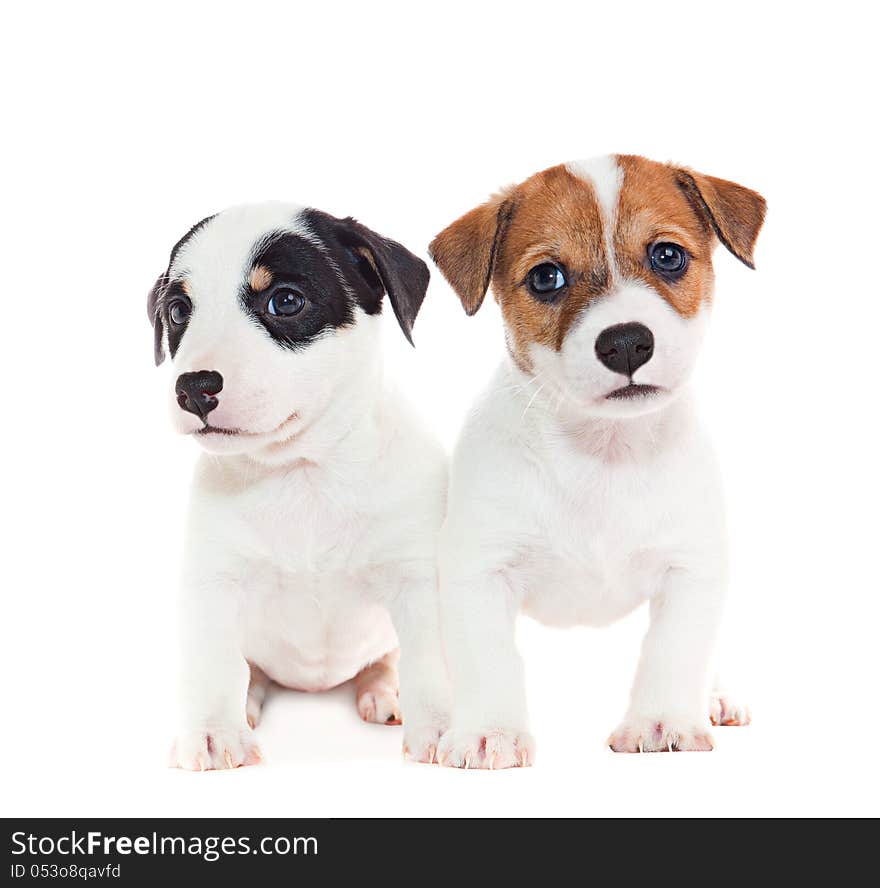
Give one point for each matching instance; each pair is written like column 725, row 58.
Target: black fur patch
column 173, row 292
column 296, row 262
column 374, row 265
column 369, row 264
column 159, row 299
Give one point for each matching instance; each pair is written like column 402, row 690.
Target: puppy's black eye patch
column 157, row 300
column 307, row 299
column 177, row 310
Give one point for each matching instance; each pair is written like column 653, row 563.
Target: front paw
column 725, row 709
column 420, row 743
column 215, row 749
column 491, row 749
column 661, row 734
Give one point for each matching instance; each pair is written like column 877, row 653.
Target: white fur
column 311, row 539
column 575, row 510
column 606, row 177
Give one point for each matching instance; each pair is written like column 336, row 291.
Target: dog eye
column 179, row 312
column 545, row 281
column 286, row 302
column 668, row 259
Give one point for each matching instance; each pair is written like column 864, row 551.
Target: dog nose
column 196, row 392
column 623, row 348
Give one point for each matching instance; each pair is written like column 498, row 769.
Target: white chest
column 310, row 582
column 610, row 534
column 304, row 524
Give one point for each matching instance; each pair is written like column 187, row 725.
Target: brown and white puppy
column 582, row 485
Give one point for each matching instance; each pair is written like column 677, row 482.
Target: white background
column 123, row 127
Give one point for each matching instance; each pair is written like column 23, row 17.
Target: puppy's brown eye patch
column 552, row 260
column 659, row 239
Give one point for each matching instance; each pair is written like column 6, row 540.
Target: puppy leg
column 376, row 690
column 212, row 732
column 489, row 719
column 727, row 706
column 668, row 705
column 424, row 684
column 256, row 695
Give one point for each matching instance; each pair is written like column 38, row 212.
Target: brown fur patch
column 661, row 202
column 551, row 217
column 557, row 219
column 653, row 208
column 259, row 278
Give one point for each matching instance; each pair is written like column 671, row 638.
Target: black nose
column 623, row 348
column 196, row 391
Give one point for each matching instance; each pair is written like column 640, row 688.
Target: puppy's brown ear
column 154, row 313
column 466, row 250
column 735, row 213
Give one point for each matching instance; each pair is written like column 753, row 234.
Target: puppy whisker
column 532, row 400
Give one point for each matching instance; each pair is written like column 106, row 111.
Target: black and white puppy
column 310, row 550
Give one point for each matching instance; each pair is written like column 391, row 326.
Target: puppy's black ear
column 381, row 265
column 735, row 213
column 466, row 250
column 154, row 313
